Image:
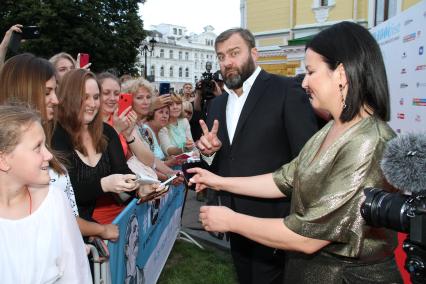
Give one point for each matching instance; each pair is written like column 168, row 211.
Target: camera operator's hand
column 209, row 143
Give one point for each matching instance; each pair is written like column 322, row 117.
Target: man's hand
column 209, row 143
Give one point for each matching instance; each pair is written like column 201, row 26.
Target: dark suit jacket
column 276, row 121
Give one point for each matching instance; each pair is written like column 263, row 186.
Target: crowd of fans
column 73, row 142
column 85, row 147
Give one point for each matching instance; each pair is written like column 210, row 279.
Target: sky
column 192, row 14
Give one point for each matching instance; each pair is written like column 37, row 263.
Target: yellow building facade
column 281, row 27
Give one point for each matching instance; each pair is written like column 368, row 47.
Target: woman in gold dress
column 329, row 240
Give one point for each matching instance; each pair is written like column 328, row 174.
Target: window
column 174, row 31
column 384, row 10
column 180, row 72
column 180, row 55
column 152, row 70
column 171, row 54
column 186, row 55
column 162, row 53
column 162, row 71
column 186, row 72
column 180, row 32
column 323, row 3
column 171, row 71
column 196, row 55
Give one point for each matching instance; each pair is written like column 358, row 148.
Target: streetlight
column 145, row 48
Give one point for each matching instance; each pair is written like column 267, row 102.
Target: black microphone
column 404, row 162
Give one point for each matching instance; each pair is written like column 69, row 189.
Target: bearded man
column 259, row 124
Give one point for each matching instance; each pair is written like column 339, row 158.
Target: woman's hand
column 8, row 35
column 217, row 218
column 110, row 232
column 119, row 183
column 179, row 179
column 189, row 145
column 171, row 161
column 145, row 189
column 125, row 122
column 204, row 179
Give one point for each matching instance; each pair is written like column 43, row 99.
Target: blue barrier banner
column 147, row 234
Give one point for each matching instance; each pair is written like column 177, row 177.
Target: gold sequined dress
column 326, row 196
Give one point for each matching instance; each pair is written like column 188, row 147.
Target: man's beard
column 235, row 81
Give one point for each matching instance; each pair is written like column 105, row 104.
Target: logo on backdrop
column 421, row 84
column 403, row 85
column 401, row 101
column 421, row 50
column 400, row 115
column 421, row 67
column 409, row 37
column 418, row 118
column 407, row 22
column 419, row 102
column 403, row 71
column 404, row 55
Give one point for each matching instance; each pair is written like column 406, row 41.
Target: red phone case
column 124, row 102
column 84, row 59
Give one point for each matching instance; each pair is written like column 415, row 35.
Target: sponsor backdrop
column 403, row 42
column 147, row 234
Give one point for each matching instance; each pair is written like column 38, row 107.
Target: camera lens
column 385, row 209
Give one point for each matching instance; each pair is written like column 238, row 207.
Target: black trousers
column 255, row 263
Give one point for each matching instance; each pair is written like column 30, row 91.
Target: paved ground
column 192, row 226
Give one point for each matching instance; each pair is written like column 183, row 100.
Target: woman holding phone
column 144, row 101
column 97, row 164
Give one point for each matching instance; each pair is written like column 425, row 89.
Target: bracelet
column 131, row 141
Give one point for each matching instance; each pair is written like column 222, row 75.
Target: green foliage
column 109, row 30
column 188, row 264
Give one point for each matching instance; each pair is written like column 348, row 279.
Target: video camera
column 404, row 165
column 207, row 82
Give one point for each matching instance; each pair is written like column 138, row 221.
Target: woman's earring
column 343, row 98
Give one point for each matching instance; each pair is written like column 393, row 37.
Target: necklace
column 29, row 194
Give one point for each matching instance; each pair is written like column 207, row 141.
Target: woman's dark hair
column 353, row 46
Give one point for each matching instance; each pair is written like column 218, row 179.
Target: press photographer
column 208, row 87
column 404, row 166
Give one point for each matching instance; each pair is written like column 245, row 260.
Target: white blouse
column 44, row 247
column 63, row 182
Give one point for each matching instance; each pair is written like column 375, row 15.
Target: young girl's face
column 29, row 161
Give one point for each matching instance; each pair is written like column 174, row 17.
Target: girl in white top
column 40, row 239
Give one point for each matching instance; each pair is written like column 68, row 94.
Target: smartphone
column 124, row 102
column 15, row 42
column 153, row 195
column 164, row 88
column 30, row 32
column 191, row 163
column 84, row 59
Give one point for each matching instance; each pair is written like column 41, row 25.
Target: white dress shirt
column 235, row 104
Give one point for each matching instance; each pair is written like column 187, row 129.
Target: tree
column 109, row 30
